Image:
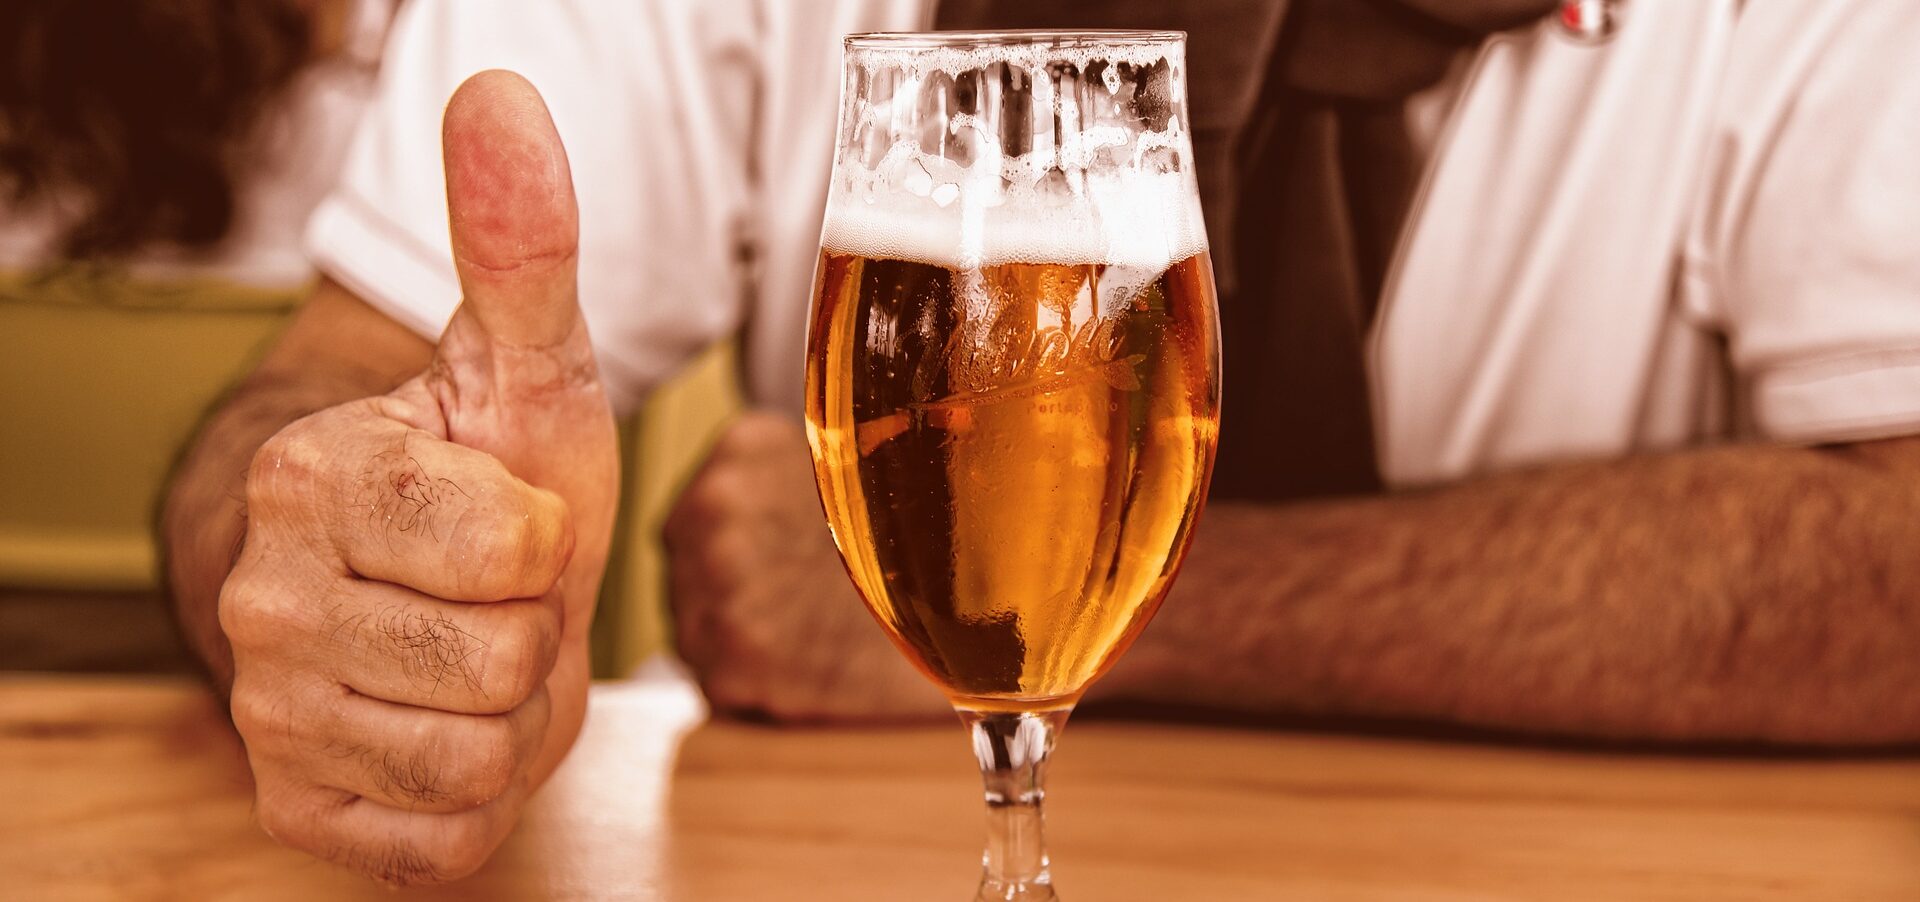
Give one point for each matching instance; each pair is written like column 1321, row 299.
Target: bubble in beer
column 1013, row 369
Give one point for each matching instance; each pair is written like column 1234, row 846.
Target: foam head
column 974, row 150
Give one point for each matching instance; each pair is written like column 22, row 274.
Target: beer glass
column 1013, row 375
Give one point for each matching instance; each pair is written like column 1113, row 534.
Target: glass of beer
column 1013, row 373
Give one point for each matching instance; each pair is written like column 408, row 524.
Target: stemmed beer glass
column 1013, row 375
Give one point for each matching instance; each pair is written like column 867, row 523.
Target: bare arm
column 1736, row 593
column 336, row 349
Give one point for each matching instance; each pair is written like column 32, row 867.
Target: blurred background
column 150, row 223
column 1563, row 293
column 150, row 252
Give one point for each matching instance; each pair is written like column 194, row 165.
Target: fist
column 764, row 611
column 409, row 610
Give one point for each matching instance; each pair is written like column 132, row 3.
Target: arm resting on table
column 1736, row 593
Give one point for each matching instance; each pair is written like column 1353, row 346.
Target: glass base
column 1001, row 892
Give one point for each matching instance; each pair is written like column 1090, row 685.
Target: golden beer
column 1013, row 375
column 1012, row 457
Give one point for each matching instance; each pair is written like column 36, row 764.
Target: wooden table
column 114, row 788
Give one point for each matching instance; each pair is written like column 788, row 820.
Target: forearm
column 336, row 350
column 1740, row 593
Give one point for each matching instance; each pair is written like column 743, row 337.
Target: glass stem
column 1012, row 749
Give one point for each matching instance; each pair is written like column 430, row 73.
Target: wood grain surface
column 123, row 788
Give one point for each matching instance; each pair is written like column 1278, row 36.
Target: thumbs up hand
column 410, row 609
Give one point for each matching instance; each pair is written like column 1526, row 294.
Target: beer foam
column 1140, row 220
column 1109, row 189
column 909, row 56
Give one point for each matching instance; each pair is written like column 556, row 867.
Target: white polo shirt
column 700, row 134
column 1708, row 226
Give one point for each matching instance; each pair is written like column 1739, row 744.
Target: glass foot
column 992, row 891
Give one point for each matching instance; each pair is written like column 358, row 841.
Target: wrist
column 199, row 539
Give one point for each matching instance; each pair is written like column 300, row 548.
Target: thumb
column 514, row 374
column 511, row 211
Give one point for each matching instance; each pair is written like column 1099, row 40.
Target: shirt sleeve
column 649, row 101
column 1814, row 246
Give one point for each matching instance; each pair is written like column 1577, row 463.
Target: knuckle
column 243, row 612
column 490, row 542
column 264, row 605
column 521, row 657
column 484, row 781
column 285, row 465
column 458, row 848
column 488, row 764
column 251, row 712
column 264, row 719
column 280, row 820
column 516, row 551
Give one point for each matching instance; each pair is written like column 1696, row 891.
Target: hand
column 763, row 608
column 409, row 611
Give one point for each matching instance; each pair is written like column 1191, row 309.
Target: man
column 1609, row 262
column 412, row 570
